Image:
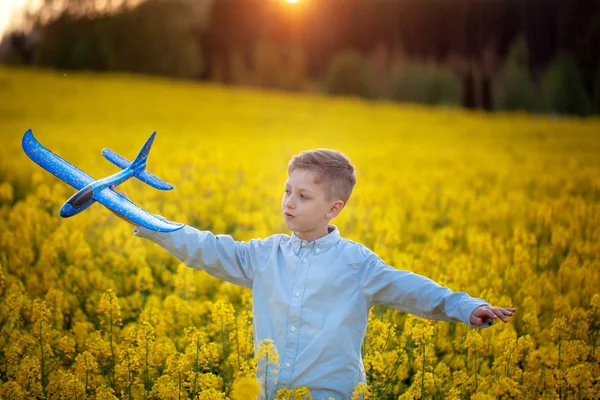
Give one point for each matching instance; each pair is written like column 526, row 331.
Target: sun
column 292, row 1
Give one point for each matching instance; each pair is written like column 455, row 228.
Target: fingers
column 502, row 313
column 121, row 193
column 499, row 314
column 119, row 215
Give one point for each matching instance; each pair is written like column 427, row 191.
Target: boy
column 312, row 291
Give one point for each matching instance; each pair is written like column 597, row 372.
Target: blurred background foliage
column 532, row 55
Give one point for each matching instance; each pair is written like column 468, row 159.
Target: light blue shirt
column 313, row 299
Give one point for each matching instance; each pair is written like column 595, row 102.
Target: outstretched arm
column 219, row 255
column 422, row 296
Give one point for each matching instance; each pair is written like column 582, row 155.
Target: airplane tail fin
column 138, row 165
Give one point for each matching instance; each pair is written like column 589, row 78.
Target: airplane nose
column 67, row 210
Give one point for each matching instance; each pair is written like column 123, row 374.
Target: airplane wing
column 123, row 206
column 53, row 163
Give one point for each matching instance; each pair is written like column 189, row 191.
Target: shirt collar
column 319, row 244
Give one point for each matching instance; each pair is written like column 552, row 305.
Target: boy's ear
column 335, row 209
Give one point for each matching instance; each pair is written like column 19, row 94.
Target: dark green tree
column 426, row 84
column 515, row 89
column 562, row 88
column 348, row 75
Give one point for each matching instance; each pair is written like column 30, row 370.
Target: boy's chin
column 290, row 225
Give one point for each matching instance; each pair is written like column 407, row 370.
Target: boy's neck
column 309, row 236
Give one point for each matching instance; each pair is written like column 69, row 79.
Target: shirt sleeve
column 415, row 293
column 219, row 255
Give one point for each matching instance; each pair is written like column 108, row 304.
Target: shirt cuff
column 146, row 233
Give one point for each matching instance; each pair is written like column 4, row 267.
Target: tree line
column 533, row 55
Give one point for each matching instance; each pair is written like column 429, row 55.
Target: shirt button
column 304, row 259
column 317, row 251
column 297, row 294
column 293, row 329
column 303, row 243
column 287, row 364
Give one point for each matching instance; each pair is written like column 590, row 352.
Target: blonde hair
column 331, row 167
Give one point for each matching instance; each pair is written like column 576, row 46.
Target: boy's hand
column 490, row 313
column 119, row 215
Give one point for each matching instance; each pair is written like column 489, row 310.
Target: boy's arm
column 415, row 293
column 219, row 255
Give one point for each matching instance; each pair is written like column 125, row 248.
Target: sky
column 7, row 8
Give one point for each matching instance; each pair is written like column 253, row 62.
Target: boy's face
column 304, row 206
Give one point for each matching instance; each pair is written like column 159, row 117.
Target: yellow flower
column 144, row 280
column 223, row 315
column 301, row 392
column 6, row 193
column 595, row 302
column 105, row 393
column 40, row 313
column 109, row 306
column 11, row 390
column 27, row 376
column 361, row 392
column 454, row 196
column 245, row 388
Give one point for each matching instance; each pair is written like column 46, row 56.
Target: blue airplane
column 91, row 190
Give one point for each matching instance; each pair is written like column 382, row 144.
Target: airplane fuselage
column 84, row 197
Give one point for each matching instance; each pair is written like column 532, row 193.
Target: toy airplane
column 91, row 190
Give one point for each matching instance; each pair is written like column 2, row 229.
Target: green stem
column 508, row 357
column 196, row 366
column 248, row 338
column 223, row 338
column 237, row 342
column 43, row 361
column 112, row 353
column 129, row 374
column 475, row 361
column 54, row 311
column 267, row 377
column 146, row 380
column 593, row 336
column 389, row 380
column 559, row 348
column 423, row 371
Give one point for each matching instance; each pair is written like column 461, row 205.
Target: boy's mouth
column 288, row 215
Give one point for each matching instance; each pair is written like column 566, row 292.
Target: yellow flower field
column 504, row 207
